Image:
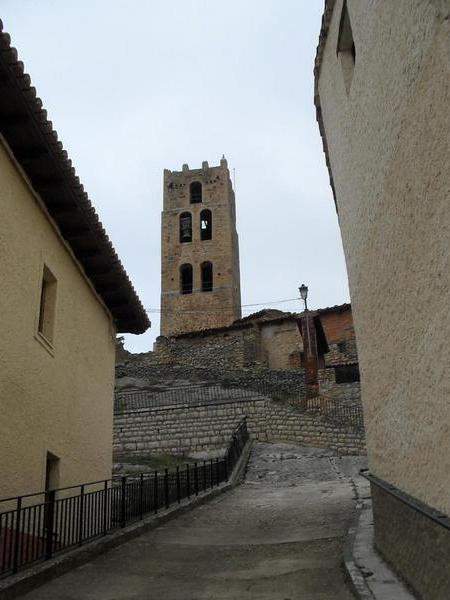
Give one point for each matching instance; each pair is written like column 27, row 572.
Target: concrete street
column 278, row 536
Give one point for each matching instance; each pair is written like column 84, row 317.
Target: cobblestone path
column 278, row 536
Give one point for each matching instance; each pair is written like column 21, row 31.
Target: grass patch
column 154, row 462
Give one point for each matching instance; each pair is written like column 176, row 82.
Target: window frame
column 47, row 305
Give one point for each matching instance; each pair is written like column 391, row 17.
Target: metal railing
column 334, row 410
column 36, row 527
column 192, row 395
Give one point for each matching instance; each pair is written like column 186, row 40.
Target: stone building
column 382, row 92
column 272, row 339
column 64, row 295
column 200, row 281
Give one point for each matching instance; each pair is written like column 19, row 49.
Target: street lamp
column 303, row 289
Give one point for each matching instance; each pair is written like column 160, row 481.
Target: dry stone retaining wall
column 277, row 381
column 204, row 428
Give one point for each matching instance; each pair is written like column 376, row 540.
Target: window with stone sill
column 47, row 305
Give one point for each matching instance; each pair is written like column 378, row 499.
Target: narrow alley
column 278, row 536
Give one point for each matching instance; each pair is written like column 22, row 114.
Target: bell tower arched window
column 186, row 279
column 207, row 277
column 185, row 227
column 206, row 225
column 195, row 192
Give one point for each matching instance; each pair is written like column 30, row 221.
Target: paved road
column 278, row 536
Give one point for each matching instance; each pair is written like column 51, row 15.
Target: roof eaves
column 29, row 121
column 326, row 19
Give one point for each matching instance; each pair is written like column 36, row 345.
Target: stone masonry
column 186, row 430
column 198, row 229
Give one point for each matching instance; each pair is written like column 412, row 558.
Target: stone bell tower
column 200, row 280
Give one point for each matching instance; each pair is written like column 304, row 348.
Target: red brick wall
column 338, row 326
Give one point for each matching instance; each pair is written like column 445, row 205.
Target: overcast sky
column 136, row 86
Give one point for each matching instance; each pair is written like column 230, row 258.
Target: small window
column 195, row 192
column 346, row 373
column 205, row 225
column 47, row 305
column 207, row 277
column 186, row 279
column 185, row 227
column 346, row 48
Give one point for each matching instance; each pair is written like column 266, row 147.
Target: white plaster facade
column 387, row 139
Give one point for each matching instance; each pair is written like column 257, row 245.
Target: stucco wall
column 389, row 149
column 56, row 400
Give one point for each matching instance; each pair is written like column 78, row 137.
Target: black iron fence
column 335, row 410
column 36, row 527
column 192, row 395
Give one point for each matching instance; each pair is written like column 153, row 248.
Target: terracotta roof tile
column 30, row 135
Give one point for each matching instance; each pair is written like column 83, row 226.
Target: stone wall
column 278, row 382
column 342, row 353
column 202, row 428
column 281, row 344
column 228, row 349
column 347, row 393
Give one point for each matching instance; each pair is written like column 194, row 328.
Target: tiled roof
column 34, row 143
column 326, row 18
column 336, row 308
column 265, row 313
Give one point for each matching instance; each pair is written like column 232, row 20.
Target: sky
column 133, row 87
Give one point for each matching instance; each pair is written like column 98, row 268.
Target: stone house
column 382, row 93
column 272, row 339
column 269, row 338
column 64, row 295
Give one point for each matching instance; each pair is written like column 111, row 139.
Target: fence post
column 123, row 514
column 166, row 487
column 211, row 482
column 178, row 485
column 81, row 517
column 188, row 481
column 105, row 508
column 141, row 496
column 50, row 519
column 17, row 535
column 204, row 475
column 196, row 478
column 225, row 466
column 155, row 491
